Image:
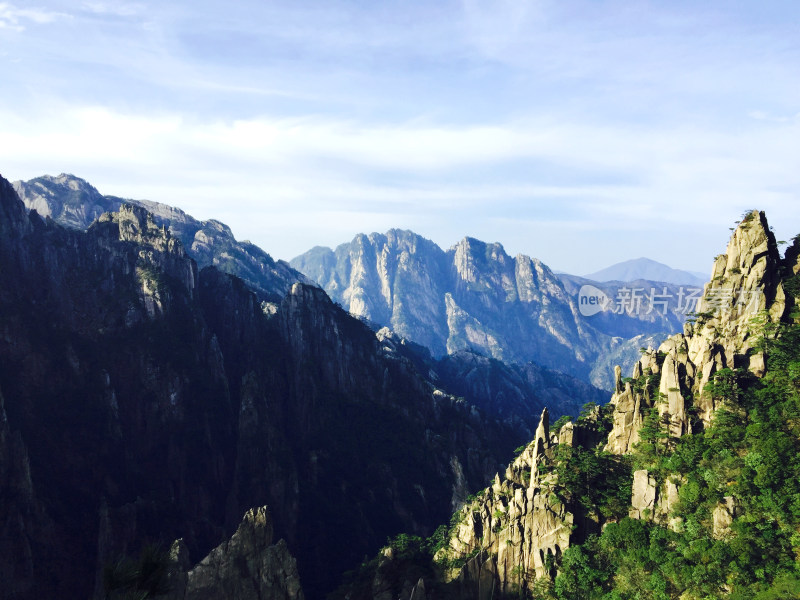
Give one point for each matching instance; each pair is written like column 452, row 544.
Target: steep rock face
column 643, row 495
column 472, row 297
column 745, row 283
column 247, row 567
column 66, row 199
column 477, row 298
column 745, row 297
column 516, row 529
column 391, row 279
column 23, row 525
column 97, row 407
column 76, row 204
column 745, row 294
column 144, row 400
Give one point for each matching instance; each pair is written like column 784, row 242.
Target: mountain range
column 76, row 204
column 476, row 297
column 145, row 399
column 163, row 421
column 472, row 297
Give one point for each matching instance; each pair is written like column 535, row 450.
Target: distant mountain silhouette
column 651, row 270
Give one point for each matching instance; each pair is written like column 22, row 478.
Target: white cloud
column 267, row 177
column 12, row 17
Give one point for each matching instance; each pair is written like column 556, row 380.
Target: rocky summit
column 475, row 297
column 746, row 293
column 76, row 204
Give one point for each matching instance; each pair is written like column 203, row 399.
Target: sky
column 580, row 132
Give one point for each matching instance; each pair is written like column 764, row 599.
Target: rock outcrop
column 516, row 529
column 246, row 567
column 643, row 495
column 744, row 296
column 743, row 301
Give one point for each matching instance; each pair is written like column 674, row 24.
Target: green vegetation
column 598, row 481
column 749, row 456
column 563, row 420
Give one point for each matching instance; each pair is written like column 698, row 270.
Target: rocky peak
column 512, row 532
column 74, row 203
column 219, row 226
column 248, row 566
column 471, row 257
column 404, row 238
column 71, row 200
column 160, row 258
column 135, row 224
column 473, row 296
column 746, row 292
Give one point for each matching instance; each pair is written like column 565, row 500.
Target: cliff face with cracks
column 744, row 296
column 146, row 401
column 744, row 300
column 506, row 540
column 472, row 297
column 248, row 566
column 516, row 530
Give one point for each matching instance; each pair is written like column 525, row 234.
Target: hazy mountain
column 651, row 307
column 476, row 297
column 75, row 203
column 651, row 270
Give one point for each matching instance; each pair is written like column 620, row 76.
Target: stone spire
column 745, row 293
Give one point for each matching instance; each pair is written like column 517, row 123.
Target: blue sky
column 580, row 132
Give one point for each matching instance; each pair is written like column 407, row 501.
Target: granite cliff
column 745, row 294
column 477, row 298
